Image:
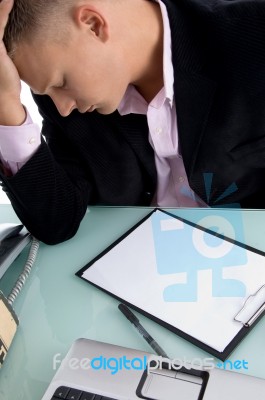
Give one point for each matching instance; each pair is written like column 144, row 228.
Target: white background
column 28, row 101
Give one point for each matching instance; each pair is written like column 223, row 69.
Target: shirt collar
column 129, row 101
column 168, row 72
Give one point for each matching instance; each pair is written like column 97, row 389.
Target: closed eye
column 61, row 85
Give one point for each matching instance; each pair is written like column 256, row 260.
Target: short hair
column 28, row 17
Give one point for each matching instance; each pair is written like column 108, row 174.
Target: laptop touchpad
column 171, row 385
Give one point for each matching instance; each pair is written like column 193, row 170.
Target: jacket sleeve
column 50, row 193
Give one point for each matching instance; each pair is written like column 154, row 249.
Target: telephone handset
column 13, row 239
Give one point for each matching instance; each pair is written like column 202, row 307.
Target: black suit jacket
column 219, row 85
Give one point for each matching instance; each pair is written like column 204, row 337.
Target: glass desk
column 55, row 307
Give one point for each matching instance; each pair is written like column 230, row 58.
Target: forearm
column 12, row 113
column 18, row 144
column 49, row 192
column 48, row 202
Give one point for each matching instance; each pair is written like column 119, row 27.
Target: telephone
column 13, row 239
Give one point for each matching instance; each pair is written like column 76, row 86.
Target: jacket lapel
column 193, row 96
column 134, row 128
column 193, row 91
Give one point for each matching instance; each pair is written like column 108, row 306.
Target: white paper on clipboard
column 183, row 276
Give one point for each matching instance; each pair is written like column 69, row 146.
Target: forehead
column 39, row 63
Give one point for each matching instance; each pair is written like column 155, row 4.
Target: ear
column 92, row 21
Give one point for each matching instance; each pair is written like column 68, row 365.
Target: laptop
column 95, row 370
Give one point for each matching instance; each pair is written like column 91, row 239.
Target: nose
column 64, row 103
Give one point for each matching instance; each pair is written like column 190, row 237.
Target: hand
column 11, row 110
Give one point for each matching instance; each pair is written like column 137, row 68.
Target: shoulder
column 215, row 11
column 227, row 35
column 219, row 7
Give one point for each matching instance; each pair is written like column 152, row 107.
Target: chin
column 106, row 110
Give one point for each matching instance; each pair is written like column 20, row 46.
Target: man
column 142, row 100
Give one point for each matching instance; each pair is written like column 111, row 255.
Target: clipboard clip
column 252, row 308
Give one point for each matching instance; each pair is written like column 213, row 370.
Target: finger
column 5, row 8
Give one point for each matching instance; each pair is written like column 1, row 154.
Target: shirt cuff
column 19, row 143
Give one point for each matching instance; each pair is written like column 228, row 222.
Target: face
column 84, row 72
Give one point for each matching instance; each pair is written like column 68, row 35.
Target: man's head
column 82, row 53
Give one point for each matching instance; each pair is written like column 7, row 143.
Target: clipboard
column 206, row 288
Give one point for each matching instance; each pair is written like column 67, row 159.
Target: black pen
column 135, row 321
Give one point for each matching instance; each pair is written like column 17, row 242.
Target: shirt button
column 32, row 140
column 181, row 179
column 158, row 131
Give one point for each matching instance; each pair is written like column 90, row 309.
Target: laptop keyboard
column 68, row 393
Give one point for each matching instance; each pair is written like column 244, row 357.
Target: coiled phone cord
column 25, row 273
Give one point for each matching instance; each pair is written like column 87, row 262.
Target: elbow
column 53, row 235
